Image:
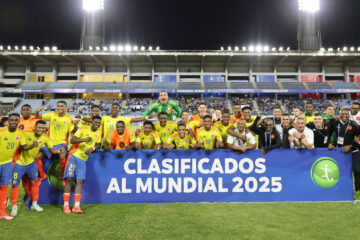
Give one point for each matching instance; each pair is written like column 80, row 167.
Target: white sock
column 77, row 204
column 34, row 203
column 66, row 203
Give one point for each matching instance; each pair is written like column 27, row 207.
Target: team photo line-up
column 26, row 140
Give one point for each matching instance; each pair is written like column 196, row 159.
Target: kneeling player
column 89, row 139
column 148, row 138
column 26, row 165
column 122, row 138
column 181, row 140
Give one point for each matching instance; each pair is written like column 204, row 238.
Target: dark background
column 177, row 24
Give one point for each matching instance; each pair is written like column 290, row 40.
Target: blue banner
column 209, row 176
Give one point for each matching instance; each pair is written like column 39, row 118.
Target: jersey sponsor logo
column 121, row 144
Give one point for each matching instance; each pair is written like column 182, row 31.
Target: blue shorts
column 47, row 152
column 19, row 171
column 75, row 168
column 5, row 173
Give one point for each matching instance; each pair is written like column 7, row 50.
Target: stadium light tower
column 93, row 29
column 309, row 34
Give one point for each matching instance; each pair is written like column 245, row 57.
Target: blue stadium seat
column 63, row 85
column 33, row 85
column 293, row 85
column 315, row 85
column 190, row 85
column 267, row 85
column 344, row 85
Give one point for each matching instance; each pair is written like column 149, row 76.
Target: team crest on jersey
column 64, row 122
column 150, row 138
column 17, row 138
column 168, row 108
column 186, row 141
column 212, row 135
column 168, row 129
column 40, row 142
column 357, row 118
column 95, row 136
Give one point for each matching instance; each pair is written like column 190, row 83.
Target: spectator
column 301, row 136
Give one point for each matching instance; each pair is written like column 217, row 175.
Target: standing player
column 224, row 125
column 181, row 139
column 209, row 137
column 86, row 120
column 25, row 164
column 60, row 127
column 202, row 113
column 164, row 128
column 10, row 139
column 190, row 125
column 89, row 139
column 148, row 138
column 237, row 113
column 309, row 114
column 170, row 107
column 108, row 123
column 321, row 131
column 122, row 138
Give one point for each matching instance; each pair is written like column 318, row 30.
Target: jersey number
column 207, row 142
column 10, row 146
column 72, row 167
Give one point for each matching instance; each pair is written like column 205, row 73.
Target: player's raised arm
column 37, row 112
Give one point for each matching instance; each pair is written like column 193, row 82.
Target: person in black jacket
column 343, row 136
column 321, row 131
column 269, row 138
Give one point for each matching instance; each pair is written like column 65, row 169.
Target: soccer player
column 224, row 125
column 61, row 126
column 329, row 113
column 86, row 120
column 237, row 113
column 170, row 107
column 301, row 136
column 108, row 123
column 122, row 138
column 202, row 113
column 27, row 122
column 245, row 142
column 164, row 128
column 209, row 137
column 309, row 114
column 89, row 139
column 269, row 137
column 190, row 124
column 25, row 164
column 10, row 139
column 148, row 138
column 181, row 139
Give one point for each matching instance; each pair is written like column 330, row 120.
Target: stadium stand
column 215, row 85
column 137, row 85
column 344, row 85
column 293, row 85
column 62, row 85
column 190, row 85
column 323, row 85
column 241, row 85
column 81, row 85
column 108, row 85
column 33, row 85
column 267, row 85
column 164, row 85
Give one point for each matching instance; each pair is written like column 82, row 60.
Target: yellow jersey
column 148, row 141
column 209, row 138
column 223, row 130
column 108, row 123
column 9, row 143
column 59, row 127
column 181, row 143
column 27, row 157
column 166, row 131
column 85, row 132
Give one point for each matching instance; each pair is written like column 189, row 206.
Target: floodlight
column 244, row 48
column 236, row 48
column 345, row 48
column 338, row 49
column 9, row 47
column 128, row 48
column 113, row 48
column 31, row 48
column 222, row 48
column 23, row 48
column 46, row 48
column 251, row 48
column 97, row 48
column 330, row 49
column 281, row 49
column 358, row 49
column 229, row 48
column 90, row 48
column 157, row 48
column 1, row 47
column 135, row 48
column 288, row 49
column 259, row 48
column 105, row 48
column 352, row 49
column 266, row 48
column 309, row 5
column 38, row 48
column 273, row 49
column 16, row 48
column 54, row 48
column 150, row 48
column 322, row 49
column 143, row 48
column 93, row 5
column 120, row 48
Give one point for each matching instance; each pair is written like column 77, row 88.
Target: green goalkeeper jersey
column 170, row 108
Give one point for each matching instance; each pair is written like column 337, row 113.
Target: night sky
column 177, row 24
